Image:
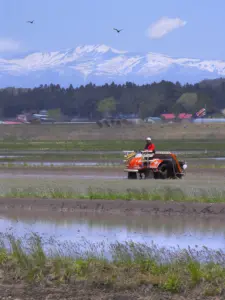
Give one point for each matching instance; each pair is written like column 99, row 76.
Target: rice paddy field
column 80, row 132
column 73, row 226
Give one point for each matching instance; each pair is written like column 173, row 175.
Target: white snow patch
column 119, row 64
column 104, row 60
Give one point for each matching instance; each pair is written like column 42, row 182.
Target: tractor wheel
column 149, row 174
column 157, row 175
column 131, row 175
column 164, row 171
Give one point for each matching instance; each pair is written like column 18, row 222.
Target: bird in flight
column 118, row 30
column 31, row 22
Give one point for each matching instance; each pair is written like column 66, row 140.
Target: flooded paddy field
column 138, row 224
column 71, row 219
column 105, row 228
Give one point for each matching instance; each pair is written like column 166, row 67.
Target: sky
column 178, row 28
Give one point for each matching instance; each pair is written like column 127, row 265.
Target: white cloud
column 163, row 26
column 8, row 45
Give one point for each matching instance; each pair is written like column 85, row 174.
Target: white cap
column 148, row 139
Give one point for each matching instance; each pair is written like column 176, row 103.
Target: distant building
column 126, row 116
column 24, row 118
column 168, row 116
column 79, row 119
column 153, row 120
column 135, row 120
column 11, row 122
column 43, row 112
column 208, row 120
column 181, row 116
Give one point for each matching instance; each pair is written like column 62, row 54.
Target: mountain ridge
column 101, row 64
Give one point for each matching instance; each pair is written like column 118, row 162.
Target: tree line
column 94, row 102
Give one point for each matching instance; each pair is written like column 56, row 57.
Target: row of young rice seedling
column 154, row 194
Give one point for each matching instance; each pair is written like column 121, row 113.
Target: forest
column 93, row 102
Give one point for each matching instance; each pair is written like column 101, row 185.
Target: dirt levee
column 123, row 207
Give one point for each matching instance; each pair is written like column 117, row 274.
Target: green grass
column 154, row 194
column 51, row 166
column 129, row 266
column 113, row 145
column 64, row 157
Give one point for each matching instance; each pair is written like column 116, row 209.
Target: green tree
column 204, row 100
column 106, row 106
column 187, row 101
column 146, row 100
column 54, row 113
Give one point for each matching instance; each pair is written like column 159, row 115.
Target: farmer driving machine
column 159, row 165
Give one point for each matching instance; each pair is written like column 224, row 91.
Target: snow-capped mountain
column 101, row 64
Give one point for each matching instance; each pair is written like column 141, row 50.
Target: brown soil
column 121, row 207
column 87, row 291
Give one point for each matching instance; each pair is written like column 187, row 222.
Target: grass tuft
column 127, row 266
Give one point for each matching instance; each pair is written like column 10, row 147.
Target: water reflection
column 164, row 231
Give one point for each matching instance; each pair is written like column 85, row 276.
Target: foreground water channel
column 166, row 231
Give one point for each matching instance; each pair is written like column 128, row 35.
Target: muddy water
column 164, row 231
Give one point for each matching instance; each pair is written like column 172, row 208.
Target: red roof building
column 11, row 122
column 181, row 116
column 184, row 116
column 168, row 116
